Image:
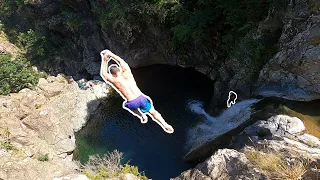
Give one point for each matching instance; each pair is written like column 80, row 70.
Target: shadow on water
column 158, row 154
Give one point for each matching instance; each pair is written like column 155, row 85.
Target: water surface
column 158, row 154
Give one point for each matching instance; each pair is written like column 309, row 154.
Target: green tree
column 16, row 74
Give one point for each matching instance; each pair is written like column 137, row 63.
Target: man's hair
column 114, row 69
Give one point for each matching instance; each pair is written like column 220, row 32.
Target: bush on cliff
column 109, row 166
column 215, row 28
column 16, row 74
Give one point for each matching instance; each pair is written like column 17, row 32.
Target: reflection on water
column 308, row 112
column 147, row 146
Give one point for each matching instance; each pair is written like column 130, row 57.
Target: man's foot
column 169, row 129
column 144, row 119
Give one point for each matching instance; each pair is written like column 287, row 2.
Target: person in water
column 122, row 80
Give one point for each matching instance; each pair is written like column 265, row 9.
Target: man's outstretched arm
column 122, row 63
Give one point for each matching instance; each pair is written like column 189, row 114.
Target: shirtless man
column 122, row 80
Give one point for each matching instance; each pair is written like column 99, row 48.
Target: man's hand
column 108, row 54
column 106, row 58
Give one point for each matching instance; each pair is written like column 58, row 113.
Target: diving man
column 122, row 80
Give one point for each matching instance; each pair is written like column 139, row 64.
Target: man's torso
column 127, row 85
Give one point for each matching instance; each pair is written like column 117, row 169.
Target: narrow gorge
column 56, row 112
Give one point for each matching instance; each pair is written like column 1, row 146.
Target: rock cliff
column 272, row 148
column 293, row 73
column 37, row 128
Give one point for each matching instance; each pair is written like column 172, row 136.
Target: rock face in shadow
column 34, row 123
column 292, row 70
column 293, row 73
column 214, row 133
column 139, row 42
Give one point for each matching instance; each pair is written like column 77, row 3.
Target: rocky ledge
column 37, row 128
column 276, row 148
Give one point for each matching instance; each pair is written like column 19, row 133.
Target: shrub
column 6, row 144
column 44, row 157
column 16, row 74
column 8, row 7
column 133, row 170
column 108, row 166
column 71, row 20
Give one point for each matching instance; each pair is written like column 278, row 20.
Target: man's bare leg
column 141, row 116
column 156, row 116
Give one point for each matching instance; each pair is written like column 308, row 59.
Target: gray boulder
column 280, row 133
column 224, row 164
column 279, row 125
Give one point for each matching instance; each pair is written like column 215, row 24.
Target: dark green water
column 158, row 154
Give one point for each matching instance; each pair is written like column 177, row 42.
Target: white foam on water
column 212, row 127
column 197, row 107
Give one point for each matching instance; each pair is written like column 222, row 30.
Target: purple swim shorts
column 142, row 102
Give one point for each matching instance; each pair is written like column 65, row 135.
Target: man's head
column 115, row 70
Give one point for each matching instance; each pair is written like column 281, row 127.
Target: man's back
column 127, row 86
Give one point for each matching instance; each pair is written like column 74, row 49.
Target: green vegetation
column 5, row 143
column 109, row 166
column 133, row 170
column 44, row 157
column 190, row 28
column 37, row 106
column 208, row 22
column 16, row 74
column 188, row 21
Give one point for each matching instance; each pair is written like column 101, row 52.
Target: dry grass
column 109, row 166
column 275, row 165
column 294, row 171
